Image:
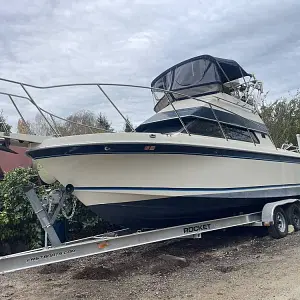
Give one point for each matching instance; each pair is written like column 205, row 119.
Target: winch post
column 42, row 216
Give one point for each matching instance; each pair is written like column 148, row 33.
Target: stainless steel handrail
column 55, row 130
column 52, row 115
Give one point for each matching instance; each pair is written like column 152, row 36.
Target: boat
column 205, row 153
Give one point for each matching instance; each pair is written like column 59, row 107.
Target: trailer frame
column 117, row 240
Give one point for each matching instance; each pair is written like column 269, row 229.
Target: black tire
column 279, row 228
column 293, row 214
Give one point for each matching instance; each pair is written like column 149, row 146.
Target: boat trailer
column 276, row 215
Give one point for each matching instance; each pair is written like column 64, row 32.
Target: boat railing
column 51, row 116
column 290, row 147
column 244, row 105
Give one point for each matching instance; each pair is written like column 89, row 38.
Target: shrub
column 18, row 222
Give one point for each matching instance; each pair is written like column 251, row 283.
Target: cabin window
column 166, row 126
column 201, row 127
column 204, row 127
column 211, row 128
column 239, row 134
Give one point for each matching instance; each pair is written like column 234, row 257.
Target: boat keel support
column 43, row 216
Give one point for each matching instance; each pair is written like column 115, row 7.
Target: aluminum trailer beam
column 103, row 244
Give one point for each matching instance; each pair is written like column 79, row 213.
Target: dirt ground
column 236, row 264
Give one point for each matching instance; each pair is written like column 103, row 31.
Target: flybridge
column 203, row 75
column 199, row 71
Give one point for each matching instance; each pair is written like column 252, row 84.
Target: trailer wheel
column 279, row 228
column 293, row 213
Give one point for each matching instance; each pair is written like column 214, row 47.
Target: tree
column 84, row 117
column 4, row 126
column 40, row 127
column 127, row 127
column 282, row 118
column 102, row 122
column 72, row 125
column 24, row 127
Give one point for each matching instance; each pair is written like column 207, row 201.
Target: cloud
column 54, row 42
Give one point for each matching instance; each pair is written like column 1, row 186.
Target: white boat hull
column 171, row 181
column 109, row 178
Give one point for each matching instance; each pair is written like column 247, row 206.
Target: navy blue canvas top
column 199, row 71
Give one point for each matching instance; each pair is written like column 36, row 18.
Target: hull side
column 143, row 186
column 114, row 178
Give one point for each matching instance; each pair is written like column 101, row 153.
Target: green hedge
column 17, row 220
column 18, row 223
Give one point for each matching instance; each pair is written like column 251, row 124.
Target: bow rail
column 51, row 120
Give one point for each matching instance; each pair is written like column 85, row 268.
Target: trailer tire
column 279, row 228
column 293, row 214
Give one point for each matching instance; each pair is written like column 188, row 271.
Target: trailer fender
column 268, row 209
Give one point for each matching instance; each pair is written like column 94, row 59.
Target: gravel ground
column 234, row 264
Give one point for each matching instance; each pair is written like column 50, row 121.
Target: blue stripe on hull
column 134, row 148
column 235, row 189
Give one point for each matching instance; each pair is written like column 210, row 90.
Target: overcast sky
column 52, row 42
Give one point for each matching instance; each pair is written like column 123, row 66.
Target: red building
column 10, row 161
